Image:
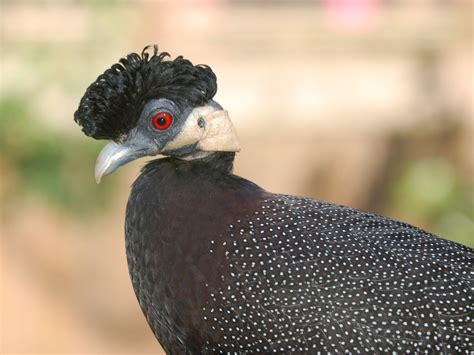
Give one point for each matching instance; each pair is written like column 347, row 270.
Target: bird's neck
column 218, row 162
column 223, row 161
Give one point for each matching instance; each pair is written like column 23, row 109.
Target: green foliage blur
column 433, row 192
column 47, row 164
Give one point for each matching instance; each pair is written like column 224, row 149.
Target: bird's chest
column 176, row 258
column 167, row 276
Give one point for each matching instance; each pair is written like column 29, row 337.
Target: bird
column 220, row 265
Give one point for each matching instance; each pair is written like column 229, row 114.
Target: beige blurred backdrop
column 366, row 103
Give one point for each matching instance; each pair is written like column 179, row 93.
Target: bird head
column 147, row 104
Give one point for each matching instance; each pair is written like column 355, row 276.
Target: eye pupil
column 162, row 121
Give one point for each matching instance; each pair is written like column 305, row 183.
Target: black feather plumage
column 220, row 265
column 112, row 104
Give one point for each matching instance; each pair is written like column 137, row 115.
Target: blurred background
column 366, row 103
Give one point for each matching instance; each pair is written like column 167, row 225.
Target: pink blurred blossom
column 353, row 15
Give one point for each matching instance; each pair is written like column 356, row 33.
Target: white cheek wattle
column 217, row 134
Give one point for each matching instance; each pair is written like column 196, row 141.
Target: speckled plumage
column 220, row 265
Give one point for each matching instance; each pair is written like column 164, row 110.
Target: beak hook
column 111, row 157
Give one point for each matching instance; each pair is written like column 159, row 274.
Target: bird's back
column 317, row 276
column 220, row 265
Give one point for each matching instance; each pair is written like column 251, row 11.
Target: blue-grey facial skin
column 145, row 139
column 146, row 136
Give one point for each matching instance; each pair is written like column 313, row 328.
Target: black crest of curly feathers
column 112, row 104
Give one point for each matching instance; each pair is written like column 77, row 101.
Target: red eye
column 162, row 121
